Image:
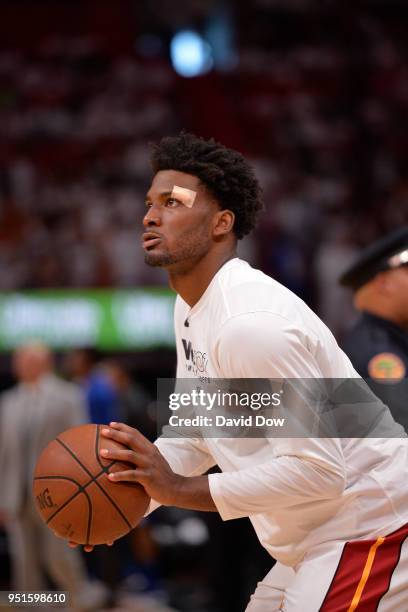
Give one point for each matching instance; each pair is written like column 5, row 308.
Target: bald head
column 31, row 361
column 386, row 295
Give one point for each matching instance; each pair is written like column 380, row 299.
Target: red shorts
column 362, row 576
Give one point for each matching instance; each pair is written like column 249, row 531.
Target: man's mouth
column 150, row 240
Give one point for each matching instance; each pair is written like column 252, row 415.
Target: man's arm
column 279, row 483
column 274, row 485
column 299, row 469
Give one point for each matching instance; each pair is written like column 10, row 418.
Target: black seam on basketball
column 131, row 484
column 74, row 457
column 81, row 488
column 57, row 478
column 63, row 505
column 88, row 527
column 68, row 500
column 71, row 479
column 90, row 508
column 114, row 504
column 95, row 481
column 105, row 468
column 97, row 448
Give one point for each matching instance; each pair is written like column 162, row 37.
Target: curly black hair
column 225, row 173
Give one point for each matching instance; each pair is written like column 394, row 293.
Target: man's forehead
column 165, row 180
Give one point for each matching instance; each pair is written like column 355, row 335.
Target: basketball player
column 333, row 512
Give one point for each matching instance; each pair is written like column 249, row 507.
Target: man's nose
column 152, row 217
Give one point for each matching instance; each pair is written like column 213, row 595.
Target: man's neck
column 192, row 283
column 384, row 313
column 35, row 383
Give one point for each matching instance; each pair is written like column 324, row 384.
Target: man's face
column 29, row 365
column 177, row 236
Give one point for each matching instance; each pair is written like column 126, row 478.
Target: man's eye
column 172, row 203
column 148, row 204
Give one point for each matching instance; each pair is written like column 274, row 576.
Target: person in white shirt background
column 32, row 413
column 333, row 512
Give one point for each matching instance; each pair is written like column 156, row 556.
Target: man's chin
column 156, row 260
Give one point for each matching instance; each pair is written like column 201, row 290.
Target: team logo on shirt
column 197, row 361
column 386, row 367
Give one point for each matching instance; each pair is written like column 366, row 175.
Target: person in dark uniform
column 377, row 344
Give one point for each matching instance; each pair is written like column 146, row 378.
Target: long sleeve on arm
column 186, row 456
column 277, row 484
column 264, row 345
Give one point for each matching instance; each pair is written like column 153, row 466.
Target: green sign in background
column 137, row 319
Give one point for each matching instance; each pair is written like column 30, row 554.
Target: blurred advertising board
column 134, row 319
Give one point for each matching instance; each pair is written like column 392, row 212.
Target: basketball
column 74, row 495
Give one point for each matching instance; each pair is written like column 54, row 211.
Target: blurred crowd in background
column 314, row 93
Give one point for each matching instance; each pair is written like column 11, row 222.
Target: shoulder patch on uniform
column 386, row 367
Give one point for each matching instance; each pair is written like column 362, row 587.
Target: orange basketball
column 74, row 495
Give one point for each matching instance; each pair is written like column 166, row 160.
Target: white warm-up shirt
column 297, row 492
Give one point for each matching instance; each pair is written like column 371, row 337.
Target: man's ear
column 223, row 222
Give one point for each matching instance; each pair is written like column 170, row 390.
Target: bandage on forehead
column 186, row 196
